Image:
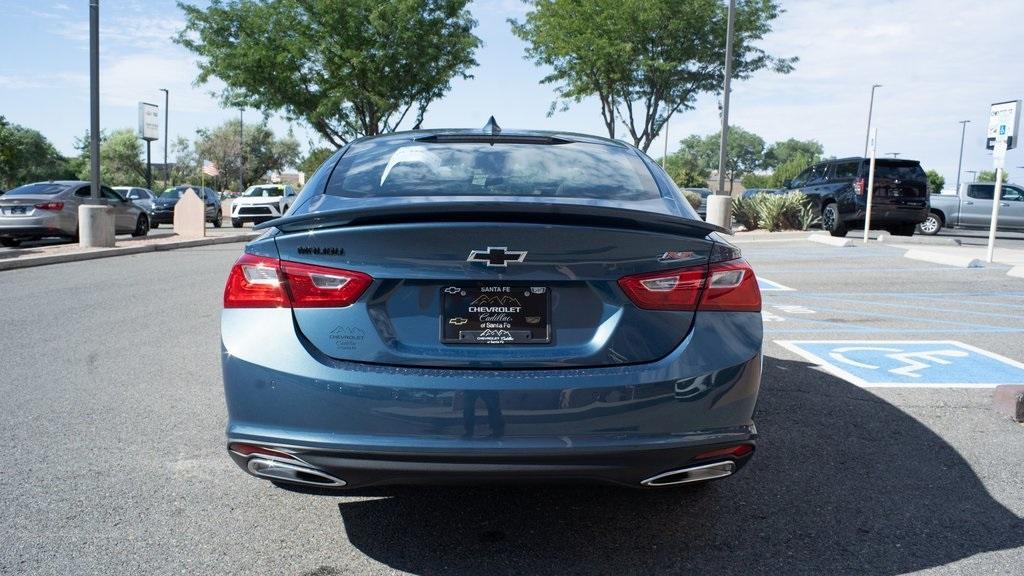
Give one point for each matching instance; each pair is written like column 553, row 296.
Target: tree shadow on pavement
column 843, row 483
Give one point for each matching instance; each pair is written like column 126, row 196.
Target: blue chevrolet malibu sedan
column 452, row 306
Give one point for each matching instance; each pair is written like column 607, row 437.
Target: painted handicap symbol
column 918, row 363
column 912, row 360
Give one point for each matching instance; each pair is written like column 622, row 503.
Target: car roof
column 511, row 133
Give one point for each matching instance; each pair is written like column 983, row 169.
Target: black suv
column 838, row 190
column 163, row 205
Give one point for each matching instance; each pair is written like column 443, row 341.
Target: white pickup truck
column 971, row 207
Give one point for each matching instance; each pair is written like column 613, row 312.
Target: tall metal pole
column 664, row 153
column 94, row 98
column 960, row 162
column 871, row 108
column 149, row 165
column 241, row 151
column 167, row 113
column 724, row 142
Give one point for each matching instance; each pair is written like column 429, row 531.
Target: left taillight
column 721, row 286
column 262, row 282
column 50, row 206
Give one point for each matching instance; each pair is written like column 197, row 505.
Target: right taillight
column 723, row 286
column 858, row 186
column 262, row 282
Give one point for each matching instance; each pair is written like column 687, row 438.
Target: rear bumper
column 30, row 227
column 890, row 214
column 372, row 424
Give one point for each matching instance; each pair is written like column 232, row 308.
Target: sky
column 938, row 61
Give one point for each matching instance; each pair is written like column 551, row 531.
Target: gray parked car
column 141, row 197
column 971, row 207
column 48, row 209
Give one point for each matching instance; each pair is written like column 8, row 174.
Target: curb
column 32, row 261
column 945, row 259
column 1009, row 401
column 830, row 240
column 1016, row 271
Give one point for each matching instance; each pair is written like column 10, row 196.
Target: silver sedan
column 50, row 209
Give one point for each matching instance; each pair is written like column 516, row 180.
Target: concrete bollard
column 1008, row 400
column 95, row 226
column 720, row 211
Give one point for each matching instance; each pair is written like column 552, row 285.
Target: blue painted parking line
column 769, row 286
column 909, row 363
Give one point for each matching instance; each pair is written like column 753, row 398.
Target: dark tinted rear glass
column 899, row 170
column 44, row 188
column 378, row 168
column 846, row 170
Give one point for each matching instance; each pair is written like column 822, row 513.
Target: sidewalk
column 158, row 240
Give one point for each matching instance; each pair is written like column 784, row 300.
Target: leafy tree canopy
column 26, row 156
column 313, row 160
column 745, row 153
column 120, row 158
column 644, row 60
column 782, row 152
column 989, row 176
column 935, row 182
column 348, row 69
column 261, row 153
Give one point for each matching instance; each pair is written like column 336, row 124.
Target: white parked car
column 261, row 202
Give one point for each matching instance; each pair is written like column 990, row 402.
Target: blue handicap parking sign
column 918, row 363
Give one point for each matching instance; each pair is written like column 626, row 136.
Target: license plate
column 17, row 210
column 495, row 314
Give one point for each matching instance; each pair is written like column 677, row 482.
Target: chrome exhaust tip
column 691, row 474
column 276, row 470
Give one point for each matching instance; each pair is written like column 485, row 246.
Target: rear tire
column 931, row 225
column 831, row 222
column 236, row 223
column 10, row 242
column 218, row 221
column 901, row 229
column 141, row 226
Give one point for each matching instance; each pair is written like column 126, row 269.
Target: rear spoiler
column 525, row 212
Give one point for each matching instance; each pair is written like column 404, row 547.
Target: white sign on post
column 149, row 121
column 1003, row 124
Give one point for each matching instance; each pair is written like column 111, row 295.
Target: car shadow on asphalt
column 843, row 483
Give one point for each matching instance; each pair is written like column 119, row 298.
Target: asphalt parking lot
column 115, row 464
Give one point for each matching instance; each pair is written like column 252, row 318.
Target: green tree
column 935, row 182
column 262, row 152
column 348, row 69
column 781, row 152
column 990, row 176
column 120, row 158
column 186, row 163
column 745, row 153
column 27, row 156
column 791, row 169
column 313, row 160
column 644, row 60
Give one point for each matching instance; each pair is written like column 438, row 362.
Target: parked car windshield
column 388, row 168
column 42, row 188
column 177, row 192
column 263, row 192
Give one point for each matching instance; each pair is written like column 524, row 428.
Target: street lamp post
column 973, row 173
column 720, row 204
column 871, row 108
column 960, row 162
column 167, row 113
column 241, row 149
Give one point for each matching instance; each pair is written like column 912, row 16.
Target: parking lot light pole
column 241, row 149
column 95, row 220
column 871, row 109
column 960, row 162
column 167, row 113
column 719, row 209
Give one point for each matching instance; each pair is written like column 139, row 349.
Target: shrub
column 693, row 198
column 774, row 212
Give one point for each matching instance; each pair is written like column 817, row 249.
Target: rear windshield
column 898, row 170
column 45, row 188
column 378, row 168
